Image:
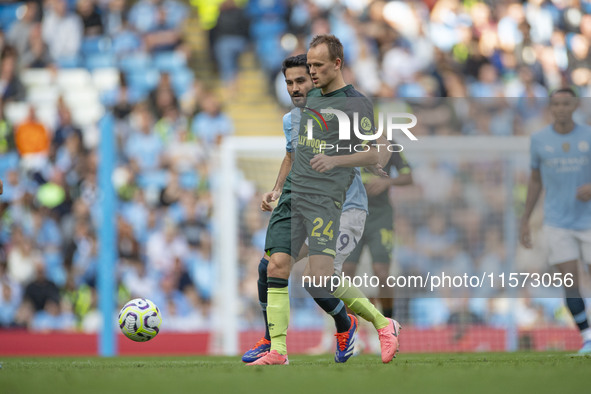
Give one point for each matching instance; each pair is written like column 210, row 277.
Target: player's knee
column 349, row 268
column 278, row 267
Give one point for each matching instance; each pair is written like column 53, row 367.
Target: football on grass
column 140, row 320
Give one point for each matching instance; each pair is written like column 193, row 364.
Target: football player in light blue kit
column 352, row 223
column 561, row 164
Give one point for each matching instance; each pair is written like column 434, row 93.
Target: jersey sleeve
column 287, row 130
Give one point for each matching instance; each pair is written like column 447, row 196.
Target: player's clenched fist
column 267, row 199
column 322, row 163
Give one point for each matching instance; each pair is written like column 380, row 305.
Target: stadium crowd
column 168, row 124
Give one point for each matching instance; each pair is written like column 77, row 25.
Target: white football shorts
column 350, row 232
column 566, row 245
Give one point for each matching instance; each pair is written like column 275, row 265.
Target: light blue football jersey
column 564, row 161
column 356, row 196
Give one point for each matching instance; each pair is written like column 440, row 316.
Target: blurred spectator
column 114, row 16
column 164, row 247
column 10, row 294
column 41, row 290
column 85, row 257
column 44, row 230
column 488, row 84
column 144, row 147
column 436, row 240
column 170, row 125
column 13, row 187
column 32, row 142
column 37, row 54
column 162, row 96
column 53, row 317
column 69, row 155
column 62, row 31
column 22, row 258
column 123, row 102
column 162, row 37
column 11, row 87
column 172, row 192
column 184, row 153
column 231, row 40
column 143, row 16
column 6, row 134
column 211, row 124
column 19, row 32
column 436, row 180
column 127, row 244
column 139, row 281
column 168, row 296
column 91, row 18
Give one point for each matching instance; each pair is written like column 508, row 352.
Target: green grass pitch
column 409, row 373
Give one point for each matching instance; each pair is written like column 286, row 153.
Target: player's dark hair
column 335, row 48
column 300, row 60
column 568, row 90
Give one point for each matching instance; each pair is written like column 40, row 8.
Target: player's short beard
column 299, row 103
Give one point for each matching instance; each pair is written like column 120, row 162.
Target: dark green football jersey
column 326, row 139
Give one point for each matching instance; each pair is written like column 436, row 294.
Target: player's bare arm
column 384, row 154
column 1, row 187
column 323, row 163
column 274, row 194
column 534, row 189
column 378, row 185
column 584, row 192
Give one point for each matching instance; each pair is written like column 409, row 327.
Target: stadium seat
column 169, row 61
column 47, row 114
column 137, row 62
column 36, row 76
column 9, row 14
column 143, row 80
column 73, row 79
column 40, row 95
column 95, row 45
column 100, row 60
column 87, row 96
column 16, row 112
column 105, row 79
column 87, row 115
column 126, row 42
column 68, row 62
column 260, row 8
